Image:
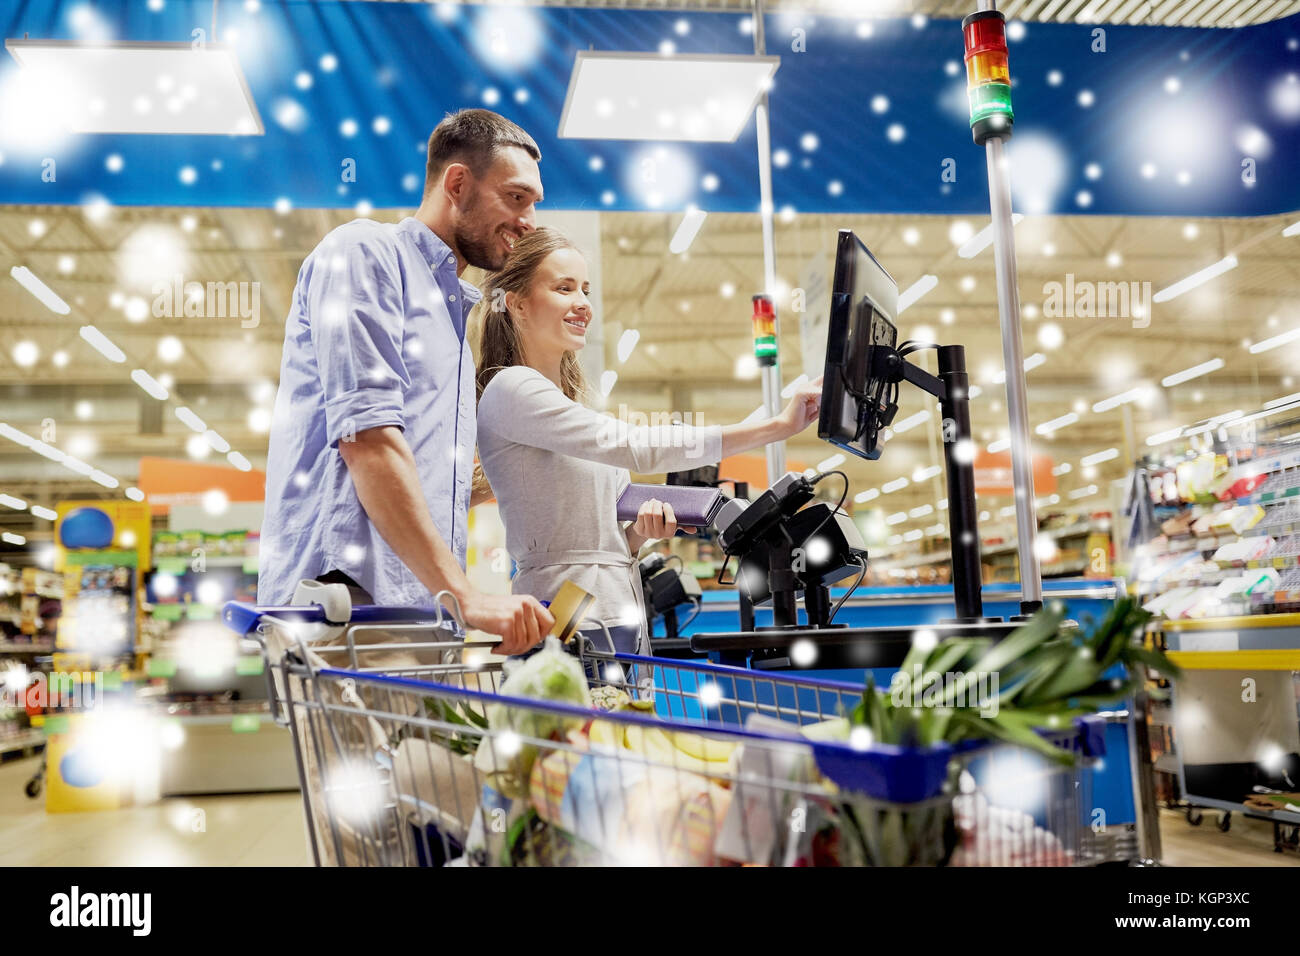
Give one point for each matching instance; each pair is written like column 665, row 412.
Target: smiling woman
column 558, row 468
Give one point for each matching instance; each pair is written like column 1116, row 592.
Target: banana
column 605, row 735
column 704, row 748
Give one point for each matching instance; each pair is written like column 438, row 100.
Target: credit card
column 569, row 606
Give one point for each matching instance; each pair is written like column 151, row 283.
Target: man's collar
column 434, row 250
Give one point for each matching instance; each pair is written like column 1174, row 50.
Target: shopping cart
column 410, row 754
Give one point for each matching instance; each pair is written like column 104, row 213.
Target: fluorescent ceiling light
column 1002, row 444
column 1161, row 437
column 1115, row 401
column 49, row 298
column 920, row 511
column 149, row 384
column 1196, row 371
column 626, row 343
column 1006, row 512
column 1048, row 427
column 974, row 392
column 983, row 239
column 1195, row 279
column 10, row 538
column 1284, row 400
column 648, row 96
column 50, row 452
column 934, row 530
column 100, row 478
column 1281, row 338
column 1031, row 363
column 1078, row 493
column 102, row 344
column 912, row 293
column 1098, row 457
column 1292, row 230
column 217, row 443
column 898, row 517
column 911, row 421
column 925, row 474
column 826, row 464
column 789, row 390
column 190, row 419
column 9, row 501
column 1064, row 468
column 14, row 435
column 1271, row 409
column 913, row 535
column 898, row 484
column 943, row 504
column 40, row 511
column 869, row 495
column 686, row 230
column 119, row 87
column 239, row 461
column 135, row 494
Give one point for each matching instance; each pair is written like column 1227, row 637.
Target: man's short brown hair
column 473, row 137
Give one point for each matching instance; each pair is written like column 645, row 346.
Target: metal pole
column 771, row 375
column 1013, row 356
column 963, row 529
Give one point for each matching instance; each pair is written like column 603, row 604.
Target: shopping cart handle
column 240, row 618
column 243, row 618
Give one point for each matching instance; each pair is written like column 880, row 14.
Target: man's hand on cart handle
column 519, row 619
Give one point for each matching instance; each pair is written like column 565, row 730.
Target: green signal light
column 990, row 100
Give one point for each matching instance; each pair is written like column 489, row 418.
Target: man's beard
column 482, row 252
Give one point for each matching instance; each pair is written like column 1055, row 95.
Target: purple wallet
column 693, row 507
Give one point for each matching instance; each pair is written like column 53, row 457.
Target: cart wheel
column 33, row 788
column 1193, row 817
column 1225, row 822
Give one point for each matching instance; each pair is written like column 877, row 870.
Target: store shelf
column 28, row 738
column 180, row 564
column 26, row 647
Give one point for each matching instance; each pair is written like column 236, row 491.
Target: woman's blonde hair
column 500, row 344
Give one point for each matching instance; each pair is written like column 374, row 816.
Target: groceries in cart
column 575, row 756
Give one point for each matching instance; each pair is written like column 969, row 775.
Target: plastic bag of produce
column 507, row 753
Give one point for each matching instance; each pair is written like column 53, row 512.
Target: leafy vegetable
column 1047, row 675
column 550, row 674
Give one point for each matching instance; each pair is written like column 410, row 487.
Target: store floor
column 267, row 830
column 239, row 830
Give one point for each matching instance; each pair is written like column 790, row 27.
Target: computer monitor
column 855, row 395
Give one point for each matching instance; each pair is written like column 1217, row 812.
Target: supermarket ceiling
column 867, row 114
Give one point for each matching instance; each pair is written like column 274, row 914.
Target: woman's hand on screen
column 802, row 409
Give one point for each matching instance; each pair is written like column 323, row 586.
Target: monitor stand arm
column 951, row 387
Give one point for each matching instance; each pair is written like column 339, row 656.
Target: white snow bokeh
column 1284, row 98
column 289, row 114
column 661, row 176
column 507, row 37
column 1040, row 170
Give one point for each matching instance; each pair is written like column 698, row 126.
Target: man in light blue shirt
column 371, row 456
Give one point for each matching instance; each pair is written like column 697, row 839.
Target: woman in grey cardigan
column 557, row 468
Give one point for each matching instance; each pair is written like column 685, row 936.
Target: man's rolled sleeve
column 354, row 304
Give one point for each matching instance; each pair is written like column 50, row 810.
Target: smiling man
column 371, row 454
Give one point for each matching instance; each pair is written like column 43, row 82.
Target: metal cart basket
column 411, row 752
